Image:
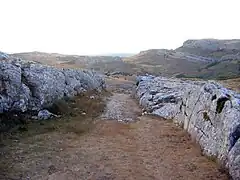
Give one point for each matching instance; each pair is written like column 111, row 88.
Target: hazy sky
column 112, row 26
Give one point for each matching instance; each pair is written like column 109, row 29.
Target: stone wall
column 206, row 110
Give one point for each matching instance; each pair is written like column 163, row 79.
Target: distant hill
column 205, row 58
column 98, row 63
column 118, row 54
column 65, row 60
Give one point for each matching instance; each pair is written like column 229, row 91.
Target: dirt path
column 122, row 108
column 147, row 149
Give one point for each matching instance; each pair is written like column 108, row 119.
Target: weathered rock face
column 207, row 110
column 29, row 86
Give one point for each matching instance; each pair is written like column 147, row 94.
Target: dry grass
column 76, row 115
column 233, row 84
column 151, row 148
column 38, row 139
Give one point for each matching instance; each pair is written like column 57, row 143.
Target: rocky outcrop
column 217, row 50
column 176, row 55
column 230, row 57
column 116, row 73
column 207, row 110
column 29, row 86
column 213, row 44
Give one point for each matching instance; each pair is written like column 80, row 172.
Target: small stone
column 44, row 115
column 92, row 97
column 34, row 117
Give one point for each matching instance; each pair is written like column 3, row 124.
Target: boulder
column 206, row 110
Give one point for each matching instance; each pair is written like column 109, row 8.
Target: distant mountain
column 205, row 58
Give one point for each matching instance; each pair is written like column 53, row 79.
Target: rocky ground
column 145, row 148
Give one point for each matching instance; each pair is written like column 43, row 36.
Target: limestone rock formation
column 207, row 110
column 29, row 86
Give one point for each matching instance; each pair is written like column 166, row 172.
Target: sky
column 89, row 27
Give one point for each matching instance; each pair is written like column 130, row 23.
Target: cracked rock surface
column 206, row 110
